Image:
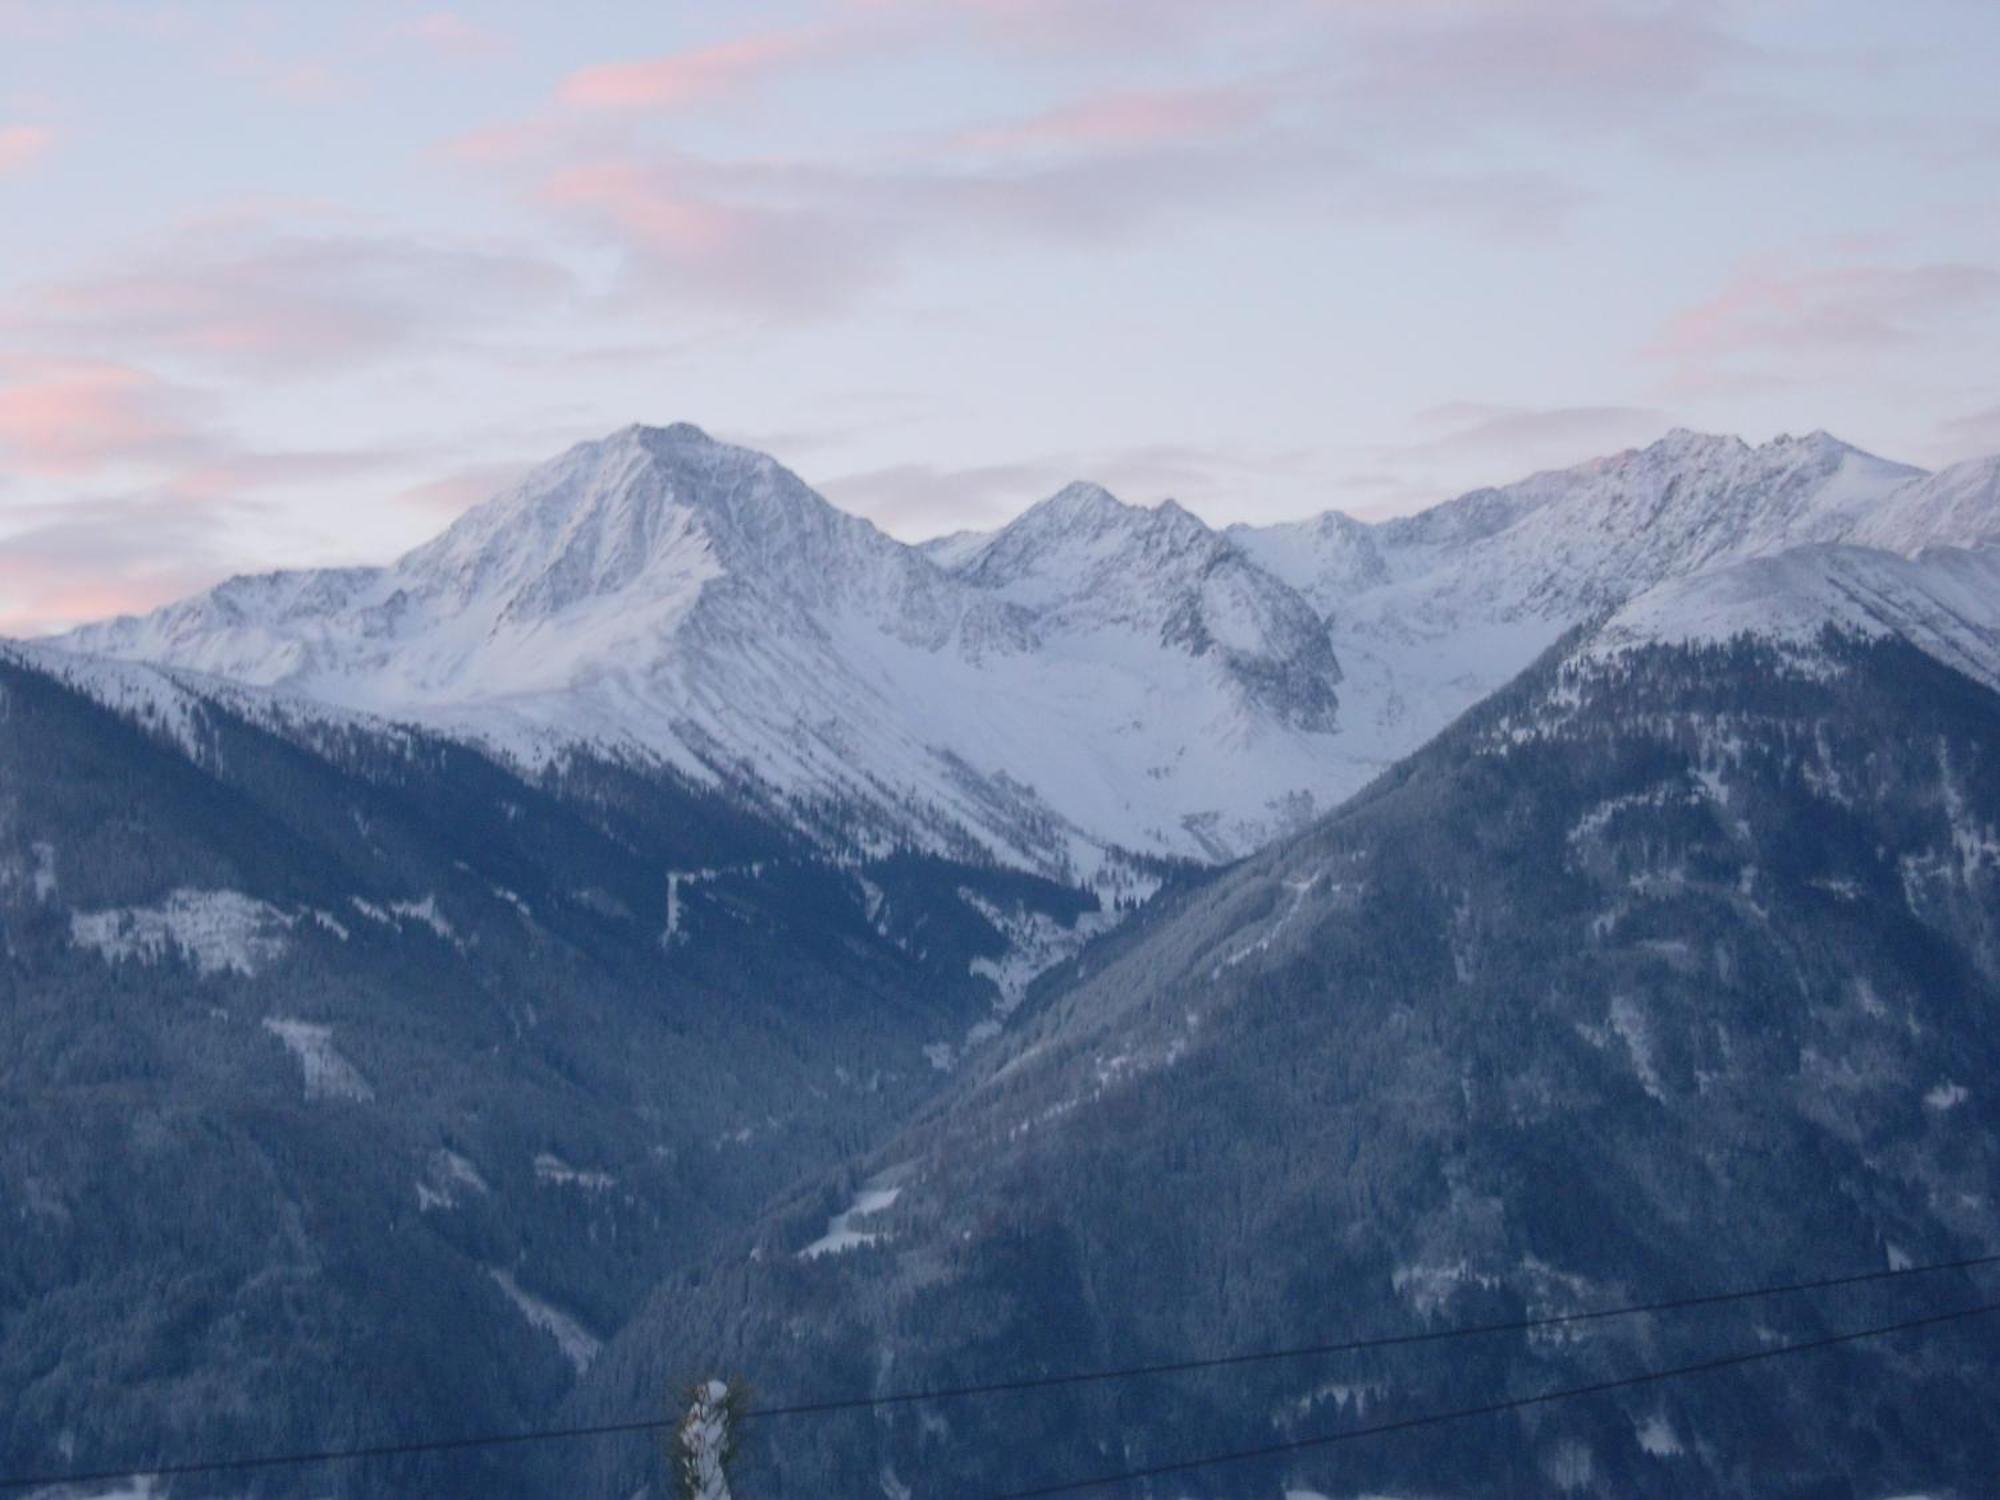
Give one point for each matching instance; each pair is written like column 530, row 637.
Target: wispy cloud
column 703, row 75
column 91, row 559
column 1774, row 322
column 292, row 79
column 1348, row 110
column 463, row 488
column 920, row 500
column 64, row 417
column 1474, row 64
column 1523, row 437
column 762, row 238
column 1128, row 120
column 808, row 236
column 248, row 296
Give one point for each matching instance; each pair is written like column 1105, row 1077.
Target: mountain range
column 1667, row 969
column 664, row 925
column 1093, row 686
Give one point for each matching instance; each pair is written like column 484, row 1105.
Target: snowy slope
column 662, row 595
column 1088, row 565
column 1945, row 601
column 1094, row 677
column 1430, row 613
column 1955, row 507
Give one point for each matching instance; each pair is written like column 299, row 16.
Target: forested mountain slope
column 1669, row 968
column 354, row 1087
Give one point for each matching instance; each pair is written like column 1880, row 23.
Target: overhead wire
column 422, row 1446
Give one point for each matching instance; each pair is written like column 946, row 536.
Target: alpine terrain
column 1671, row 967
column 665, row 928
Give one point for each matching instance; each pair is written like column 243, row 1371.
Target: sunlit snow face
column 296, row 287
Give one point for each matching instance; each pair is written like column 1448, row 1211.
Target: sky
column 291, row 283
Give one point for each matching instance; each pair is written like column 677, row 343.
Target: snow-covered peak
column 1328, row 557
column 953, row 549
column 1087, row 565
column 1955, row 507
column 1720, row 492
column 1586, row 537
column 1079, row 503
column 652, row 508
column 1682, row 445
column 1565, row 543
column 1094, row 676
column 1088, row 681
column 1945, row 601
column 1079, row 526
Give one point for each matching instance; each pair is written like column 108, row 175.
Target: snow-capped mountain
column 1430, row 613
column 663, row 595
column 348, row 1048
column 1674, row 972
column 1086, row 564
column 1093, row 679
column 1955, row 507
column 1674, row 929
column 1945, row 601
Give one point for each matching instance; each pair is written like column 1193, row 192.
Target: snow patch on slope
column 447, row 1178
column 1036, row 943
column 219, row 931
column 578, row 1344
column 328, row 1075
column 841, row 1231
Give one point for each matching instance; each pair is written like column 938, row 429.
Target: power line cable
column 1433, row 1419
column 1381, row 1341
column 415, row 1447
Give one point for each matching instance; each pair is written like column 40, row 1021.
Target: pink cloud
column 34, row 602
column 799, row 236
column 68, row 417
column 92, row 559
column 1125, row 121
column 803, row 234
column 23, row 145
column 759, row 236
column 1806, row 311
column 235, row 294
column 1776, row 325
column 459, row 492
column 701, row 76
column 513, row 143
